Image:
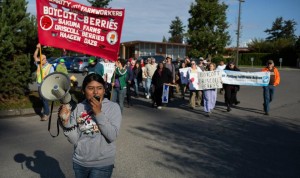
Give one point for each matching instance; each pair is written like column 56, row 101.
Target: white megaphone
column 56, row 87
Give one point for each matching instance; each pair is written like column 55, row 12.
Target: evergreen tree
column 15, row 65
column 207, row 27
column 282, row 29
column 176, row 31
column 164, row 39
column 99, row 3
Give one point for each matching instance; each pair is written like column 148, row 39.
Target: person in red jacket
column 270, row 89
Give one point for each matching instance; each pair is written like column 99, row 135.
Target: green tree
column 164, row 39
column 207, row 27
column 297, row 45
column 259, row 45
column 176, row 31
column 282, row 29
column 15, row 65
column 99, row 3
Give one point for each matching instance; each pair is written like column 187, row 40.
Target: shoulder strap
column 49, row 123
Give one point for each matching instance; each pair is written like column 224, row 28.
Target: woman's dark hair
column 92, row 77
column 122, row 61
column 157, row 67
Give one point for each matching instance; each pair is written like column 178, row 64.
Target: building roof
column 164, row 43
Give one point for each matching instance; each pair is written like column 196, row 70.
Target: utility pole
column 238, row 33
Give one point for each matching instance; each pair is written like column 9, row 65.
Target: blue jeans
column 148, row 85
column 92, row 172
column 268, row 96
column 46, row 110
column 136, row 86
column 118, row 97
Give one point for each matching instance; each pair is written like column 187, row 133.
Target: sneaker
column 228, row 109
column 208, row 114
column 147, row 96
column 266, row 113
column 159, row 107
column 237, row 102
column 45, row 118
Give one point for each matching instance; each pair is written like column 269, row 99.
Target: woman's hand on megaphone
column 64, row 113
column 96, row 105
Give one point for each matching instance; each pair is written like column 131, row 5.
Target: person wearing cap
column 61, row 67
column 95, row 67
column 270, row 89
column 231, row 90
column 201, row 64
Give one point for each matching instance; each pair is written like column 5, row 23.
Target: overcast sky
column 150, row 20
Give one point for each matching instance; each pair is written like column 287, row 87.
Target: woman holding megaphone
column 92, row 127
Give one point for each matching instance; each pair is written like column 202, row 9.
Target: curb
column 21, row 112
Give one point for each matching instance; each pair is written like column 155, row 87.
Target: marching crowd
column 94, row 124
column 133, row 76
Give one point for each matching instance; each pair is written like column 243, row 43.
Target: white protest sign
column 109, row 69
column 246, row 78
column 183, row 75
column 210, row 79
column 194, row 81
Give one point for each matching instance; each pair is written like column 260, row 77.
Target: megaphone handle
column 73, row 104
column 49, row 123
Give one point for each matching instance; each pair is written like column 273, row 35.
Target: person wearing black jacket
column 231, row 90
column 161, row 75
column 137, row 78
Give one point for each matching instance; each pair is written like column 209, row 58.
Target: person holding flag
column 43, row 69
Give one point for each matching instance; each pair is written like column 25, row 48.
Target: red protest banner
column 69, row 25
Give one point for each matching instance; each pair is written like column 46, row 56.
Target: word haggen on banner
column 73, row 26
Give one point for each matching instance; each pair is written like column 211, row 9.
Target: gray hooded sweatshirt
column 94, row 137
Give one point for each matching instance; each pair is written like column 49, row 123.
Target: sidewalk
column 21, row 112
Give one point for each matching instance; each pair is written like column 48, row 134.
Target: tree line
column 207, row 34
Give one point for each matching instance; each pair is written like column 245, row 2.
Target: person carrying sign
column 270, row 89
column 43, row 69
column 195, row 93
column 161, row 75
column 209, row 95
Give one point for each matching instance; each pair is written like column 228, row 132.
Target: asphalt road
column 175, row 141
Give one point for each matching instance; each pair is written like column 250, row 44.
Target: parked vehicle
column 68, row 61
column 50, row 59
column 158, row 58
column 80, row 64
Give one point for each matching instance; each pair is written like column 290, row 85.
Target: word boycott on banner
column 210, row 80
column 69, row 25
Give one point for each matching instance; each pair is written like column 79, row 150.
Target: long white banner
column 246, row 78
